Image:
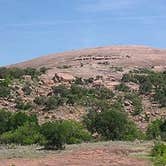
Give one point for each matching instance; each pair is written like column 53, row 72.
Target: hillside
column 91, row 95
column 102, row 66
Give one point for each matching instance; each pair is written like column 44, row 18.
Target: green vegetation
column 157, row 130
column 112, row 124
column 27, row 88
column 9, row 121
column 60, row 132
column 159, row 154
column 136, row 102
column 75, row 95
column 149, row 82
column 17, row 73
column 27, row 134
column 20, row 105
column 19, row 128
column 122, row 87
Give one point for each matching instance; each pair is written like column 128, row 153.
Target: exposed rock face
column 105, row 61
column 123, row 55
column 63, row 77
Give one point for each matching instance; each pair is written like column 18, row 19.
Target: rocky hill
column 96, row 68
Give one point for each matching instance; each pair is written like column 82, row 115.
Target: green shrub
column 145, row 86
column 32, row 72
column 53, row 102
column 153, row 131
column 122, row 87
column 4, row 91
column 54, row 135
column 149, row 82
column 61, row 90
column 40, row 100
column 23, row 105
column 160, row 95
column 4, row 121
column 159, row 154
column 136, row 102
column 27, row 88
column 112, row 125
column 157, row 129
column 75, row 132
column 18, row 119
column 58, row 133
column 27, row 134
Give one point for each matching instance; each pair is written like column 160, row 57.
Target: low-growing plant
column 136, row 102
column 157, row 130
column 122, row 87
column 23, row 105
column 27, row 88
column 159, row 154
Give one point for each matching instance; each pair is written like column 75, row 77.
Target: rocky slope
column 106, row 65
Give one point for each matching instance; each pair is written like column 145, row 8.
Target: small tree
column 54, row 135
column 4, row 121
column 112, row 125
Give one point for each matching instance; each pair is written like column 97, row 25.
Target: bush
column 157, row 129
column 40, row 100
column 75, row 132
column 54, row 135
column 58, row 133
column 160, row 95
column 26, row 134
column 23, row 105
column 27, row 89
column 18, row 119
column 4, row 91
column 159, row 154
column 112, row 125
column 17, row 73
column 145, row 87
column 11, row 121
column 4, row 121
column 60, row 91
column 136, row 102
column 53, row 102
column 122, row 87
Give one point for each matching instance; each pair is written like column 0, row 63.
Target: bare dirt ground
column 94, row 154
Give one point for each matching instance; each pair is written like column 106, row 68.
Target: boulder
column 63, row 77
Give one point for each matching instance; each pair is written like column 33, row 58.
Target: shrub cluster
column 149, row 82
column 4, row 88
column 157, row 130
column 136, row 102
column 17, row 73
column 112, row 124
column 122, row 87
column 76, row 94
column 23, row 129
column 159, row 154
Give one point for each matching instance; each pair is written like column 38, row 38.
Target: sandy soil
column 103, row 155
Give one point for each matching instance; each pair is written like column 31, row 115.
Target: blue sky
column 31, row 28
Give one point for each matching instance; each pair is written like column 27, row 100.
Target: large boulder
column 63, row 77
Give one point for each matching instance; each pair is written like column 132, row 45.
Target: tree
column 27, row 134
column 112, row 125
column 4, row 121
